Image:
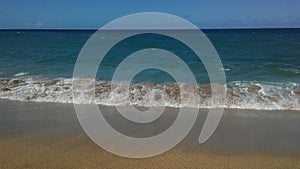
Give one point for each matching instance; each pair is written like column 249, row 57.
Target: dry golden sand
column 80, row 152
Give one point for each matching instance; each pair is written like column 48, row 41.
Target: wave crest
column 241, row 95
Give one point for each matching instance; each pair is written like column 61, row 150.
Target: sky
column 84, row 14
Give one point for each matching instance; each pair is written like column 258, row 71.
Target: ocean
column 262, row 68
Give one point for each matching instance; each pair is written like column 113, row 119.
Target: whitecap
column 21, row 74
column 296, row 71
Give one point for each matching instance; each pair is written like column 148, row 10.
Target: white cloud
column 39, row 24
column 27, row 24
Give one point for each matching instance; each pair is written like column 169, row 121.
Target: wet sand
column 48, row 135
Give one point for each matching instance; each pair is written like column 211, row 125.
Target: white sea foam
column 241, row 95
column 21, row 74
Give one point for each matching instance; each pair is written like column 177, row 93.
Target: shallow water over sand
column 238, row 131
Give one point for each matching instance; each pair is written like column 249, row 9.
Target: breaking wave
column 21, row 74
column 240, row 94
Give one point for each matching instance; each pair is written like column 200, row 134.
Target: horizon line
column 93, row 29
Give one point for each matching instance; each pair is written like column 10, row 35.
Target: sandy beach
column 48, row 135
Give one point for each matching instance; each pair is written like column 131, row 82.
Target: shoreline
column 48, row 135
column 146, row 106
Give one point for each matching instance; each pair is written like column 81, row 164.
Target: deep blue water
column 264, row 55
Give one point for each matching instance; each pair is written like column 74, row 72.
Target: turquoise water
column 262, row 68
column 264, row 55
